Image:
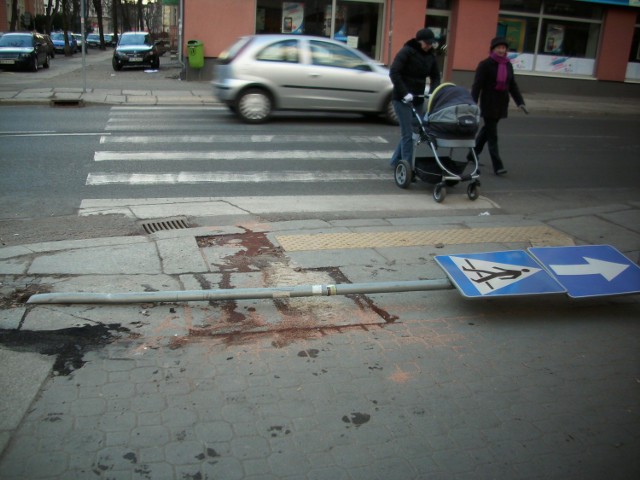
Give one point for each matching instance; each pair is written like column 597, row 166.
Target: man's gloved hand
column 408, row 98
column 524, row 108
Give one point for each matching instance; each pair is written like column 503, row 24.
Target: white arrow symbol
column 608, row 270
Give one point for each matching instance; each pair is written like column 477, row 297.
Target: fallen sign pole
column 243, row 293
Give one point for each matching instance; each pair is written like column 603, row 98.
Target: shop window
column 633, row 67
column 573, row 9
column 560, row 37
column 519, row 31
column 572, row 39
column 521, row 6
column 355, row 22
column 439, row 4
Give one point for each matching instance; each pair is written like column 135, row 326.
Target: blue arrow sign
column 492, row 274
column 591, row 270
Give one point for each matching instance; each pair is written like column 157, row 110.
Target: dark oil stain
column 131, row 457
column 144, row 471
column 68, row 345
column 277, row 430
column 357, row 418
column 311, row 353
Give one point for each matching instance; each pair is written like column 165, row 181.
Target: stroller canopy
column 452, row 113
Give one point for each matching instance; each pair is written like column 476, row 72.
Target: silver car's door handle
column 314, row 75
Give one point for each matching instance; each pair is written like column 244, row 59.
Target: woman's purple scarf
column 501, row 78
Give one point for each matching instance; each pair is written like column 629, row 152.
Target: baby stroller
column 451, row 122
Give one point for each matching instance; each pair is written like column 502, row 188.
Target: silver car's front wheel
column 254, row 106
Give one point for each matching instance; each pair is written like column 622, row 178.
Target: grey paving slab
column 10, row 318
column 14, row 266
column 181, row 255
column 628, row 218
column 21, row 376
column 596, row 231
column 119, row 259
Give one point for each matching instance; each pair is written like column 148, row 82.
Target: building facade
column 555, row 45
column 26, row 10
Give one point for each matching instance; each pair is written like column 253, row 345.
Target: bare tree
column 65, row 27
column 14, row 15
column 51, row 10
column 114, row 15
column 97, row 5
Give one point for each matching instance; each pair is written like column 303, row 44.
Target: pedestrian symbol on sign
column 489, row 276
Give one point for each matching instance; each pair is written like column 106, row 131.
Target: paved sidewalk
column 390, row 386
column 408, row 385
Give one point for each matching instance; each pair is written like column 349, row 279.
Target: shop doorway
column 438, row 22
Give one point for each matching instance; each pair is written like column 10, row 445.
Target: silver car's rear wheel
column 254, row 106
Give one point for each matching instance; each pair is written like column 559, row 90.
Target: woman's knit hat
column 426, row 35
column 499, row 41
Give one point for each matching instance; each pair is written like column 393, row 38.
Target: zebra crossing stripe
column 103, row 156
column 227, row 177
column 240, row 139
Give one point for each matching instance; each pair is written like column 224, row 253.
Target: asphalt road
column 51, row 155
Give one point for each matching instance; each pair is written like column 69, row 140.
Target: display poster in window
column 554, row 40
column 293, row 17
column 514, row 30
column 341, row 23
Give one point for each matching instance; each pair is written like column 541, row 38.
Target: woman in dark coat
column 409, row 71
column 493, row 83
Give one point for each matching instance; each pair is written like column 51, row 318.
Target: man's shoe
column 501, row 171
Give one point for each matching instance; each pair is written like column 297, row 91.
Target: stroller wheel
column 402, row 174
column 439, row 192
column 472, row 191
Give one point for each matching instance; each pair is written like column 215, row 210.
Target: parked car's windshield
column 141, row 39
column 57, row 36
column 15, row 41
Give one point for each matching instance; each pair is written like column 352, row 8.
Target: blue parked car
column 58, row 42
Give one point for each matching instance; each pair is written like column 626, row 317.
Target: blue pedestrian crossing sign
column 591, row 270
column 492, row 274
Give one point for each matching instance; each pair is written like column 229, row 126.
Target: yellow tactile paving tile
column 535, row 235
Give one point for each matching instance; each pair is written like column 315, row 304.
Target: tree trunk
column 14, row 15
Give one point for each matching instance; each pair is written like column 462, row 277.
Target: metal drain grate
column 158, row 224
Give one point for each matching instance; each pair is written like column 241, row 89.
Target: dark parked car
column 79, row 41
column 50, row 47
column 58, row 42
column 23, row 50
column 262, row 73
column 135, row 49
column 93, row 40
column 110, row 39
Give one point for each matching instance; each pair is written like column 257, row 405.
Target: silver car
column 259, row 74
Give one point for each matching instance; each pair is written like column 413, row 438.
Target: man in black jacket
column 409, row 71
column 494, row 81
